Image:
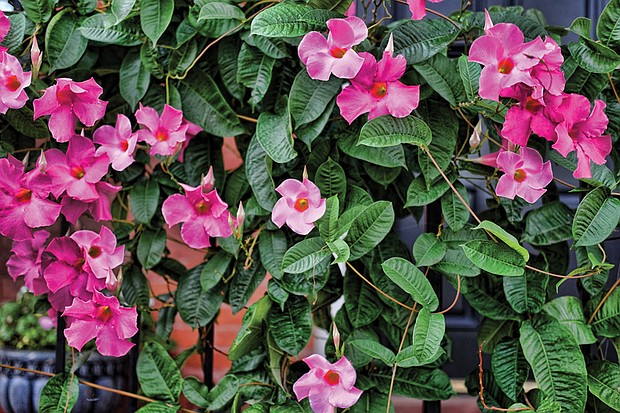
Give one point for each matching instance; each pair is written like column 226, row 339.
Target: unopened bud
column 240, row 217
column 36, row 57
column 305, row 174
column 26, row 159
column 208, row 182
column 390, row 45
column 42, row 162
column 488, row 23
column 336, row 335
column 474, row 139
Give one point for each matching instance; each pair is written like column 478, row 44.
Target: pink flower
column 192, row 131
column 26, row 260
column 100, row 253
column 507, row 61
column 547, row 74
column 103, row 319
column 582, row 131
column 46, row 322
column 334, row 55
column 36, row 57
column 66, row 102
column 377, row 90
column 418, row 8
column 352, row 10
column 327, row 385
column 5, row 25
column 525, row 175
column 24, row 202
column 117, row 142
column 530, row 115
column 13, row 80
column 99, row 209
column 165, row 134
column 78, row 171
column 301, row 204
column 202, row 212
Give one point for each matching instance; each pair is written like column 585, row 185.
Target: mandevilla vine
column 114, row 131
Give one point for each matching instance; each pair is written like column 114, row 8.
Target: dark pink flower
column 117, row 142
column 335, row 55
column 582, row 131
column 327, row 385
column 418, row 8
column 78, row 171
column 202, row 212
column 66, row 102
column 165, row 134
column 100, row 208
column 5, row 25
column 352, row 10
column 525, row 175
column 24, row 202
column 13, row 80
column 26, row 260
column 103, row 319
column 377, row 90
column 100, row 253
column 530, row 115
column 300, row 206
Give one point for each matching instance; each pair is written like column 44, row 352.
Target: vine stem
column 456, row 299
column 600, row 305
column 96, row 386
column 400, row 347
column 613, row 87
column 379, row 290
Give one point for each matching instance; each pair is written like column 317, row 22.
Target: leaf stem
column 613, row 87
column 456, row 299
column 600, row 305
column 379, row 290
column 402, row 342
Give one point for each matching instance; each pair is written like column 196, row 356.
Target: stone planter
column 20, row 391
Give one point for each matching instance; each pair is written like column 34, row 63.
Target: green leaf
column 419, row 194
column 328, row 223
column 143, row 200
column 445, row 128
column 258, row 172
column 455, row 262
column 491, row 332
column 59, row 394
column 441, row 74
column 495, row 258
column 197, row 307
column 158, row 374
column 596, row 217
column 204, row 105
column 227, row 55
column 428, row 250
column 121, row 9
column 340, row 250
column 251, row 331
column 223, row 392
column 526, row 293
column 604, row 382
column 102, row 28
column 557, row 363
column 428, row 332
column 272, row 246
column 417, row 383
column 309, row 97
column 159, row 407
column 245, row 282
column 15, row 36
column 275, row 135
column 361, row 302
column 218, row 11
column 470, row 75
column 38, row 11
column 510, row 369
column 389, row 131
column 548, row 225
column 581, row 26
column 408, row 277
column 22, row 121
column 454, row 212
column 486, row 295
column 419, row 40
column 594, row 57
column 369, row 228
column 292, row 327
column 135, row 287
column 134, row 79
column 305, row 255
column 608, row 27
column 308, row 132
column 567, row 310
column 155, row 16
column 375, row 350
column 182, row 57
column 331, row 180
column 583, row 82
column 389, row 156
column 254, row 70
column 215, row 269
column 606, row 323
column 282, row 20
column 151, row 247
column 503, row 235
column 339, row 6
column 149, row 57
column 64, row 43
column 277, row 293
column 275, row 48
column 195, row 391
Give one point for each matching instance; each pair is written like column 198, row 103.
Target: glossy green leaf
column 455, row 262
column 375, row 350
column 369, row 228
column 442, row 76
column 282, row 20
column 596, row 217
column 428, row 332
column 155, row 16
column 197, row 307
column 215, row 269
column 606, row 323
column 64, row 43
column 251, row 331
column 567, row 310
column 158, row 374
column 14, row 38
column 339, row 6
column 389, row 156
column 309, row 97
column 102, row 28
column 39, row 11
column 135, row 287
column 510, row 369
column 143, row 200
column 503, row 235
column 159, row 407
column 418, row 194
column 275, row 135
column 526, row 293
column 227, row 61
column 604, row 382
column 428, row 250
column 608, row 27
column 245, row 282
column 328, row 223
column 419, row 40
column 254, row 70
column 331, row 180
column 417, row 383
column 59, row 394
column 305, row 255
column 134, row 79
column 258, row 172
column 444, row 125
column 389, row 131
column 292, row 327
column 22, row 121
column 408, row 277
column 470, row 75
column 594, row 57
column 495, row 258
column 454, row 212
column 121, row 9
column 151, row 247
column 195, row 391
column 361, row 302
column 549, row 224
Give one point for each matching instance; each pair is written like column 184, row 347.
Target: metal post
column 207, row 364
column 132, row 385
column 59, row 366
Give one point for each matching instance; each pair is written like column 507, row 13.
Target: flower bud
column 240, row 217
column 474, row 139
column 336, row 335
column 208, row 182
column 390, row 45
column 36, row 56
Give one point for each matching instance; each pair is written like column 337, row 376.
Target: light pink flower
column 334, row 55
column 101, row 253
column 117, row 142
column 46, row 323
column 202, row 212
column 5, row 25
column 547, row 74
column 530, row 115
column 352, row 10
column 26, row 260
column 507, row 60
column 327, row 385
column 377, row 90
column 192, row 131
column 100, row 208
column 13, row 80
column 78, row 171
column 418, row 8
column 301, row 204
column 66, row 102
column 24, row 202
column 103, row 319
column 525, row 175
column 165, row 134
column 582, row 131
